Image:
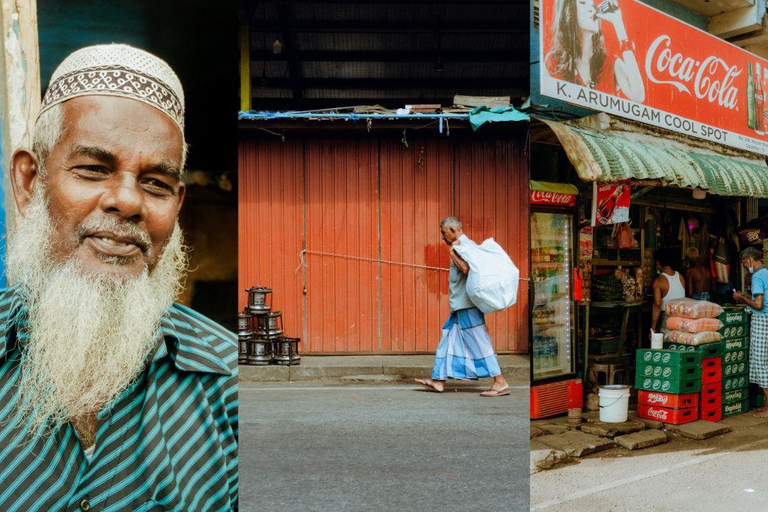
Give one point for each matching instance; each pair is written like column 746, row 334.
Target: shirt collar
column 180, row 340
column 187, row 345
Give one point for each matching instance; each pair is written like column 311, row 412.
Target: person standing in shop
column 697, row 278
column 670, row 285
column 465, row 351
column 752, row 259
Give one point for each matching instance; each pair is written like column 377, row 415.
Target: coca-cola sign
column 654, row 69
column 658, row 414
column 711, row 79
column 657, row 398
column 552, row 198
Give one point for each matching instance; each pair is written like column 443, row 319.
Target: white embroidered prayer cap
column 117, row 70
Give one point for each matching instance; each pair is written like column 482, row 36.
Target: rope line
column 373, row 260
column 359, row 258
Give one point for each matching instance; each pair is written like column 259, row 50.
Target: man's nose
column 124, row 197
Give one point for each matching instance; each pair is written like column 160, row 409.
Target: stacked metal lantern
column 260, row 332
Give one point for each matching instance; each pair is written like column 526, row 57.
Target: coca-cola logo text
column 711, row 79
column 658, row 414
column 654, row 398
column 539, row 197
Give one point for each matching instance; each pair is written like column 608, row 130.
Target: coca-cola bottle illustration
column 764, row 113
column 750, row 98
column 759, row 102
column 606, row 7
column 608, row 205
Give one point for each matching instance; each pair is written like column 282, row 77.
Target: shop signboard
column 631, row 60
column 553, row 194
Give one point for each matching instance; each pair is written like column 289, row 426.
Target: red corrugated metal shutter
column 270, row 194
column 354, row 200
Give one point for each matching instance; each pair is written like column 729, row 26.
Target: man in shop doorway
column 697, row 277
column 113, row 396
column 465, row 351
column 670, row 285
column 752, row 259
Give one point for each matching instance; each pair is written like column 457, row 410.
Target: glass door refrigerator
column 554, row 389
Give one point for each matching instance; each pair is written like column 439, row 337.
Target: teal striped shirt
column 169, row 442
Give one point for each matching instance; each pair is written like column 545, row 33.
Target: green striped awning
column 601, row 156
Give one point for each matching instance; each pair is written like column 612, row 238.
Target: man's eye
column 91, row 169
column 158, row 187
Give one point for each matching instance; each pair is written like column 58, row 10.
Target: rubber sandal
column 496, row 392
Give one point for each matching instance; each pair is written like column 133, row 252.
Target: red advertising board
column 553, row 194
column 610, row 203
column 627, row 59
column 552, row 198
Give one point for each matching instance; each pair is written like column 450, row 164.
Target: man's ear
column 24, row 174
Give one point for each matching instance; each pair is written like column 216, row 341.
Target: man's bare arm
column 656, row 305
column 462, row 265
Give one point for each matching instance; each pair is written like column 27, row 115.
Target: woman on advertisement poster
column 579, row 52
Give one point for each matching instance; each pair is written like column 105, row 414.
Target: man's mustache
column 124, row 230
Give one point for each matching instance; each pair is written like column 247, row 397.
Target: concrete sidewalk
column 370, row 368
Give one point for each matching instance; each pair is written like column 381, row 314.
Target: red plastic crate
column 668, row 400
column 673, row 416
column 556, row 398
column 711, row 363
column 712, row 389
column 711, row 402
column 711, row 414
column 712, row 374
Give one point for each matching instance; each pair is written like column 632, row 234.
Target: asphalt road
column 382, row 448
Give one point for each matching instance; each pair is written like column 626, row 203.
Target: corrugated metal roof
column 609, row 156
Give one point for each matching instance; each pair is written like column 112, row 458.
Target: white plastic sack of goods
column 493, row 278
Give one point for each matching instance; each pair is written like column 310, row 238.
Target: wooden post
column 245, row 66
column 19, row 94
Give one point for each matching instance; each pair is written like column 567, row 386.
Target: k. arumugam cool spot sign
column 627, row 59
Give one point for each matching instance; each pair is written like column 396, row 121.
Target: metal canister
column 242, row 349
column 260, row 353
column 244, row 324
column 287, row 351
column 270, row 325
column 259, row 300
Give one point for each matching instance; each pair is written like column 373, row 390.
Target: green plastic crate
column 667, row 357
column 735, row 408
column 735, row 356
column 670, row 372
column 735, row 395
column 730, row 332
column 734, row 317
column 734, row 344
column 706, row 350
column 740, row 381
column 733, row 369
column 674, row 386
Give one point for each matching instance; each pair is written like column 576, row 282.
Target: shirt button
column 85, row 505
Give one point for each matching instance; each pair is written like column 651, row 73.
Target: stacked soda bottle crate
column 735, row 346
column 692, row 348
column 668, row 383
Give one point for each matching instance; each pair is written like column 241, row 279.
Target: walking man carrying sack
column 465, row 351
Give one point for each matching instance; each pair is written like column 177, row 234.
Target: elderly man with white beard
column 112, row 397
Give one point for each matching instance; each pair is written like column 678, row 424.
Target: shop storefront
column 342, row 224
column 670, row 168
column 667, row 196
